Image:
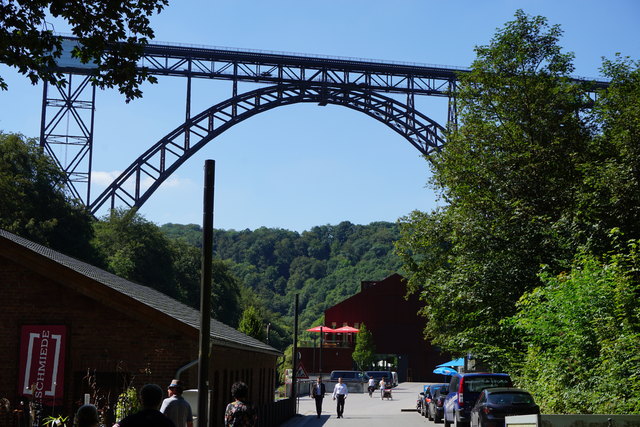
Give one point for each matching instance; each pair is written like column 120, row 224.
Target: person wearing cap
column 176, row 407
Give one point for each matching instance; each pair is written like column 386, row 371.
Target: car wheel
column 437, row 419
column 457, row 423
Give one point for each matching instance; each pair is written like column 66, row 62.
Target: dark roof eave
column 147, row 301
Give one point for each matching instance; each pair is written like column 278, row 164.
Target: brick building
column 63, row 319
column 394, row 323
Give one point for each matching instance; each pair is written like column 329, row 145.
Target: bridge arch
column 170, row 152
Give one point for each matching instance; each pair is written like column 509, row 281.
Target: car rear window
column 510, row 398
column 379, row 375
column 477, row 384
column 345, row 375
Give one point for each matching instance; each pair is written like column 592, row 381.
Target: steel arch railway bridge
column 372, row 88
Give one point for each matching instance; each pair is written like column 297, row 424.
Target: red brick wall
column 114, row 343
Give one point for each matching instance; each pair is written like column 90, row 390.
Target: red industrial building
column 70, row 329
column 394, row 323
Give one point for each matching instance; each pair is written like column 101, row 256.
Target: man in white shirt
column 176, row 407
column 372, row 385
column 340, row 393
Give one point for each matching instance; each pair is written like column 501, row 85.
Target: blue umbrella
column 453, row 363
column 444, row 370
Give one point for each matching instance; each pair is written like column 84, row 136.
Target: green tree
column 111, row 35
column 225, row 294
column 610, row 197
column 252, row 324
column 136, row 249
column 509, row 174
column 34, row 204
column 581, row 331
column 364, row 352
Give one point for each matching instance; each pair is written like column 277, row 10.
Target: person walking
column 176, row 407
column 383, row 385
column 240, row 413
column 340, row 393
column 317, row 392
column 372, row 386
column 148, row 416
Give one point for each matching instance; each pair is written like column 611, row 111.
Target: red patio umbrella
column 324, row 329
column 346, row 330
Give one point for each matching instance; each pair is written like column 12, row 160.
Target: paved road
column 362, row 411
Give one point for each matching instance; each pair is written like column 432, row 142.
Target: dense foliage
column 251, row 324
column 33, row 203
column 111, row 35
column 534, row 175
column 324, row 265
column 136, row 249
column 582, row 333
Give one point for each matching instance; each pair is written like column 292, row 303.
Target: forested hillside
column 323, row 265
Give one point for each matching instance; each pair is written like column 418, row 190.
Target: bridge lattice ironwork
column 366, row 86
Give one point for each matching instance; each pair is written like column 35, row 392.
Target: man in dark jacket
column 317, row 392
column 149, row 416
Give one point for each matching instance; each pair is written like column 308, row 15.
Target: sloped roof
column 221, row 334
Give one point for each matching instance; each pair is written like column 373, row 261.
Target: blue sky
column 299, row 166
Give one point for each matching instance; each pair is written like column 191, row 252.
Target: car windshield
column 477, row 384
column 510, row 398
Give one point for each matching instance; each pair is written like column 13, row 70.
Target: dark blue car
column 494, row 404
column 464, row 390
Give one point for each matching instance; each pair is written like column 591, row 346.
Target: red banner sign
column 42, row 363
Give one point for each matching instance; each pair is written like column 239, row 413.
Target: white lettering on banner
column 40, row 379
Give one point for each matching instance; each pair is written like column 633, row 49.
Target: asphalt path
column 362, row 410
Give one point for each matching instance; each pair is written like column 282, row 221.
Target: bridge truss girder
column 261, row 67
column 165, row 156
column 66, row 131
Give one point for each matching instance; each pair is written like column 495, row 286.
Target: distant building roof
column 221, row 334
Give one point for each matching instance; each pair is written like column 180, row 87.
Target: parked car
column 496, row 403
column 435, row 408
column 426, row 398
column 420, row 405
column 348, row 376
column 464, row 390
column 420, row 402
column 378, row 375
